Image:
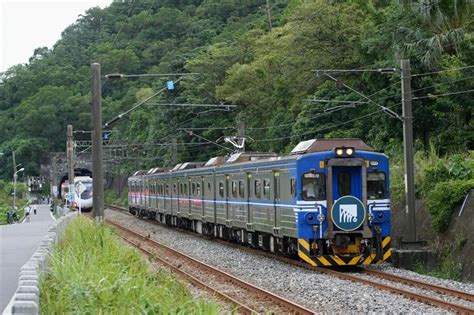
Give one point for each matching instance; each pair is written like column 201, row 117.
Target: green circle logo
column 348, row 213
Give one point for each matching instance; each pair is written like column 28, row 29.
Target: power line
column 385, row 109
column 326, row 128
column 136, row 105
column 123, row 24
column 442, row 83
column 206, row 128
column 444, row 94
column 122, row 75
column 210, row 141
column 440, row 71
column 193, row 105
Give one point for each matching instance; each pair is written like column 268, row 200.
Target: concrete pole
column 269, row 15
column 14, row 180
column 96, row 134
column 408, row 149
column 70, row 160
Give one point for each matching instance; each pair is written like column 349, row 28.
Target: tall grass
column 93, row 272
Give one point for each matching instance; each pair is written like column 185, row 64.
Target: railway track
column 462, row 309
column 248, row 298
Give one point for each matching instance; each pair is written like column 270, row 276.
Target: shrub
column 92, row 272
column 442, row 200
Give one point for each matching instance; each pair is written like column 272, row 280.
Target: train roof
column 319, row 145
column 252, row 159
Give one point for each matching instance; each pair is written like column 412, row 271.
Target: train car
column 328, row 202
column 82, row 191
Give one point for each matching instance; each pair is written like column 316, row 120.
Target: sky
column 28, row 24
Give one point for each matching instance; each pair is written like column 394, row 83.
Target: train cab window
column 376, row 185
column 314, row 186
column 258, row 189
column 221, row 189
column 241, row 189
column 266, row 189
column 234, row 189
column 344, row 184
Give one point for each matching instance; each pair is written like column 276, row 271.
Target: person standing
column 27, row 213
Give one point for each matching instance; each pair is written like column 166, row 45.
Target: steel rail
column 422, row 285
column 411, row 295
column 282, row 302
column 242, row 307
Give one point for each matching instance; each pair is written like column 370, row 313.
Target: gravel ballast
column 319, row 292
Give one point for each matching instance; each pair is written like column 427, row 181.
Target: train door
column 166, row 200
column 276, row 198
column 227, row 199
column 248, row 178
column 347, row 177
column 346, row 181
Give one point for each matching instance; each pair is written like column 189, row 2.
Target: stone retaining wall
column 26, row 297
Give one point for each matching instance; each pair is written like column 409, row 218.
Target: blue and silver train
column 328, row 202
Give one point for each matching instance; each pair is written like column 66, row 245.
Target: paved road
column 18, row 242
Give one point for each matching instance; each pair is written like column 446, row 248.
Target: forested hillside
column 266, row 69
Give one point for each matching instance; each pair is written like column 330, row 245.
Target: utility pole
column 408, row 149
column 269, row 15
column 14, row 180
column 96, row 135
column 70, row 161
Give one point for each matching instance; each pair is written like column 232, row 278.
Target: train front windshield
column 85, row 188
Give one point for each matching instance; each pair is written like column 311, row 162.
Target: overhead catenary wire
column 440, row 71
column 385, row 109
column 443, row 94
column 326, row 128
column 136, row 105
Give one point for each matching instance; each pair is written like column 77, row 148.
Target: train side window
column 376, row 185
column 234, row 189
column 293, row 187
column 241, row 189
column 257, row 189
column 221, row 189
column 314, row 186
column 198, row 189
column 185, row 192
column 344, row 184
column 175, row 191
column 266, row 189
column 193, row 189
column 167, row 189
column 209, row 187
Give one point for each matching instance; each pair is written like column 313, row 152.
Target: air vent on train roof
column 249, row 156
column 215, row 161
column 190, row 165
column 318, row 145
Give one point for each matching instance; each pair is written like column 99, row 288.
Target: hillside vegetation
column 266, row 69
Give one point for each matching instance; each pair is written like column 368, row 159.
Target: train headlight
column 321, row 217
column 344, row 152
